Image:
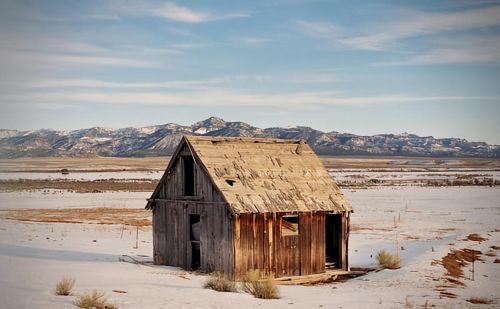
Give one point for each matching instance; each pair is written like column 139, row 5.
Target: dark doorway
column 333, row 240
column 188, row 163
column 194, row 237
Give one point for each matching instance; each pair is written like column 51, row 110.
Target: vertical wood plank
column 270, row 244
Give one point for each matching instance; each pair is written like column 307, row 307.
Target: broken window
column 194, row 236
column 290, row 225
column 194, row 223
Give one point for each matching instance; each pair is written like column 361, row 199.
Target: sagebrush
column 388, row 260
column 93, row 300
column 65, row 286
column 260, row 286
column 219, row 282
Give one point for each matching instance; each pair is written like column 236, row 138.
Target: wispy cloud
column 28, row 50
column 83, row 83
column 465, row 50
column 45, row 58
column 254, row 40
column 223, row 97
column 104, row 17
column 421, row 23
column 175, row 12
column 408, row 25
column 320, row 29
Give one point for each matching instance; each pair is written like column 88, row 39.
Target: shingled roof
column 266, row 175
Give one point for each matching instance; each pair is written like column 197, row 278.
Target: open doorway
column 194, row 237
column 333, row 241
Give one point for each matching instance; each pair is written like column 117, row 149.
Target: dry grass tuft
column 476, row 237
column 260, row 286
column 65, row 286
column 387, row 260
column 447, row 294
column 93, row 300
column 219, row 282
column 79, row 186
column 98, row 215
column 481, row 300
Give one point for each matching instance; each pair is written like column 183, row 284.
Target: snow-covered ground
column 64, row 199
column 423, row 223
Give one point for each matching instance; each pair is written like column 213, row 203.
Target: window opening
column 290, row 225
column 188, row 163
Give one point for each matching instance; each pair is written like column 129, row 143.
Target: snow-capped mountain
column 162, row 140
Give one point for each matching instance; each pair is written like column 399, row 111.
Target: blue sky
column 363, row 67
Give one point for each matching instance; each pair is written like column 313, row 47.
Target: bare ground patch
column 475, row 237
column 481, row 301
column 375, row 182
column 55, row 164
column 454, row 261
column 358, row 227
column 80, row 186
column 101, row 215
column 93, row 164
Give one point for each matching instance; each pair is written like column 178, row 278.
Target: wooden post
column 473, row 260
column 398, row 248
column 137, row 236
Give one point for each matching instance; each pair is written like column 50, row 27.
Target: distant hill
column 162, row 140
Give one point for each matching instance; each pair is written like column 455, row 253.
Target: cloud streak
column 426, row 24
column 175, row 12
column 223, row 97
column 43, row 58
column 319, row 29
column 461, row 50
column 383, row 37
column 83, row 83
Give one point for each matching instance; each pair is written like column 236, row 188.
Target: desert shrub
column 481, row 300
column 219, row 282
column 259, row 286
column 387, row 260
column 93, row 300
column 65, row 286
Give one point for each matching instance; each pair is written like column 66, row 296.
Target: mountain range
column 162, row 139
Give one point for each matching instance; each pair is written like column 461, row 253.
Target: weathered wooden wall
column 260, row 245
column 172, row 242
column 171, row 226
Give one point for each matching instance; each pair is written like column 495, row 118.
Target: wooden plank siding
column 171, row 226
column 259, row 244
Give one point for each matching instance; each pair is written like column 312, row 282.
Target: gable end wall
column 171, row 242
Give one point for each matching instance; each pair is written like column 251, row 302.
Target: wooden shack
column 237, row 204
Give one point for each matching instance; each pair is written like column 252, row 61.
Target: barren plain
column 440, row 215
